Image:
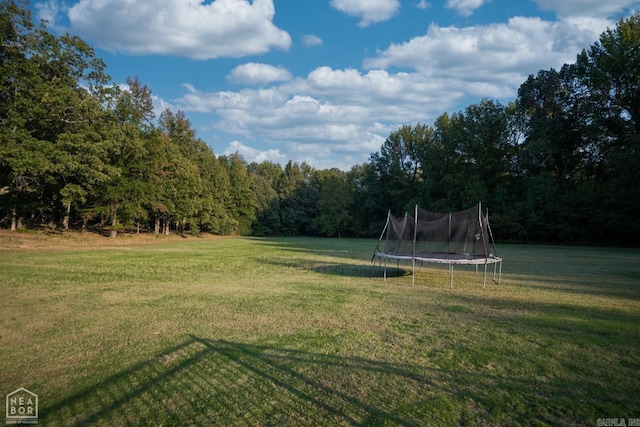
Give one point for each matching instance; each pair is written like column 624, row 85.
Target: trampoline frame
column 450, row 259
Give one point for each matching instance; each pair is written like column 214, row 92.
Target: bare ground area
column 41, row 239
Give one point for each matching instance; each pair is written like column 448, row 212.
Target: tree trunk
column 156, row 229
column 114, row 220
column 51, row 225
column 84, row 224
column 14, row 216
column 166, row 226
column 65, row 220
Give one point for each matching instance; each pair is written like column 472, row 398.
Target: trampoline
column 455, row 238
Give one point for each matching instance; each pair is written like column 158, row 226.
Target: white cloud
column 310, row 40
column 593, row 8
column 260, row 74
column 49, row 10
column 337, row 117
column 369, row 11
column 194, row 29
column 465, row 7
column 423, row 4
column 245, row 99
column 159, row 105
column 331, row 113
column 492, row 60
column 251, row 154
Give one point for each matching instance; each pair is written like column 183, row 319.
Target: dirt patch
column 40, row 239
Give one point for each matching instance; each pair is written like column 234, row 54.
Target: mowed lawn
column 301, row 331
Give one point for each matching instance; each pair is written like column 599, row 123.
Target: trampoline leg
column 484, row 285
column 385, row 269
column 413, row 273
column 497, row 271
column 451, row 276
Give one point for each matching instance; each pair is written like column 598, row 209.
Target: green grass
column 302, row 332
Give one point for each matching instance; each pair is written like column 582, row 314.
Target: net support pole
column 413, row 258
column 384, row 230
column 449, row 233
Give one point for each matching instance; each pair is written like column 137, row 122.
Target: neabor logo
column 22, row 407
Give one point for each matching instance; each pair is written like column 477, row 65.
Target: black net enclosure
column 462, row 237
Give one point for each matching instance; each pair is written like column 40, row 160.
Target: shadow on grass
column 346, row 269
column 356, row 270
column 606, row 272
column 216, row 382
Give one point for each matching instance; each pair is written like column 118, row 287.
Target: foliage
column 559, row 164
column 335, row 203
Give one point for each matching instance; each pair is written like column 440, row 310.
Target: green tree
column 443, row 165
column 210, row 190
column 334, row 203
column 610, row 69
column 131, row 127
column 298, row 199
column 214, row 215
column 242, row 198
column 485, row 152
column 559, row 146
column 369, row 212
column 174, row 185
column 82, row 165
column 398, row 166
column 265, row 179
column 50, row 144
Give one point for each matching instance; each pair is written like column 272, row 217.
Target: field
column 296, row 331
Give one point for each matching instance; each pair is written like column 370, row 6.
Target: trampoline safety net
column 462, row 237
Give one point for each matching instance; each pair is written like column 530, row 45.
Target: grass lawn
column 239, row 331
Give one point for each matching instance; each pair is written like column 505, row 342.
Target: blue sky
column 327, row 81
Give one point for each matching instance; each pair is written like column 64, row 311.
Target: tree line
column 561, row 163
